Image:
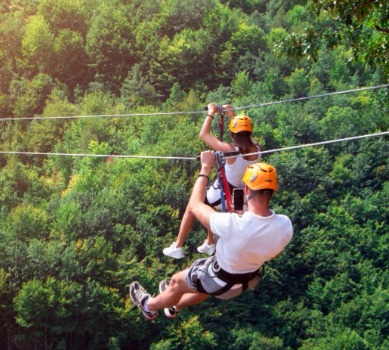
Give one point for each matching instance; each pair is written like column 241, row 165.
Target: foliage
column 76, row 230
column 360, row 26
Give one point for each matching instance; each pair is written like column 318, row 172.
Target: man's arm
column 196, row 204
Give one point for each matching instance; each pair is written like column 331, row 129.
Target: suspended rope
column 193, row 158
column 193, row 112
column 318, row 143
column 94, row 155
column 312, row 97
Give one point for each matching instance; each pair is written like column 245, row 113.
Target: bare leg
column 178, row 294
column 187, row 223
column 189, row 299
column 210, row 239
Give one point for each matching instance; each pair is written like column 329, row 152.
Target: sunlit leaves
column 360, row 26
column 53, row 310
column 37, row 44
column 190, row 335
column 26, row 222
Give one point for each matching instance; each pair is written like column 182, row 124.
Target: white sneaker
column 139, row 297
column 173, row 252
column 207, row 248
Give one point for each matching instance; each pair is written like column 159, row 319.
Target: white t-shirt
column 248, row 241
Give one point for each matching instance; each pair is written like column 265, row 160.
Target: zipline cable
column 193, row 112
column 316, row 144
column 311, row 97
column 194, row 158
column 94, row 155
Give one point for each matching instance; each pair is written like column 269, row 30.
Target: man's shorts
column 202, row 272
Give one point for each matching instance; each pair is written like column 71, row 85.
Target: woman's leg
column 187, row 223
column 188, row 219
column 210, row 239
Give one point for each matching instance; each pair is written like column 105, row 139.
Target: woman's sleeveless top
column 235, row 171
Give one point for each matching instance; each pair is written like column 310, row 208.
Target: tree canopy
column 119, row 77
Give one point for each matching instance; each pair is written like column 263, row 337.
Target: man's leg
column 177, row 294
column 190, row 299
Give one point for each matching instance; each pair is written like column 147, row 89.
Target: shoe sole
column 133, row 285
column 206, row 252
column 173, row 256
column 148, row 318
column 146, row 314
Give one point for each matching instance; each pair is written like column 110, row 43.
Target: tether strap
column 221, row 127
column 226, row 191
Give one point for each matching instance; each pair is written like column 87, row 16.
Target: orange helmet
column 261, row 176
column 240, row 123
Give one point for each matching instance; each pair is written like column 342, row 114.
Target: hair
column 266, row 191
column 263, row 192
column 243, row 141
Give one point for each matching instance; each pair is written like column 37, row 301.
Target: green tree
column 298, row 83
column 110, row 43
column 361, row 27
column 37, row 46
column 136, row 90
column 44, row 134
column 30, row 95
column 11, row 33
column 65, row 14
column 190, row 335
column 241, row 85
column 71, row 59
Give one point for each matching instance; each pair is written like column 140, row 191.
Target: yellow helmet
column 240, row 123
column 261, row 176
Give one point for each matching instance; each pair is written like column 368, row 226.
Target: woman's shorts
column 213, row 197
column 202, row 272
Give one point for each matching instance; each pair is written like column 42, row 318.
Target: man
column 245, row 243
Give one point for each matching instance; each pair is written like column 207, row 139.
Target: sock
column 145, row 307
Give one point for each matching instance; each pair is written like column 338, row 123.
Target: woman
column 240, row 131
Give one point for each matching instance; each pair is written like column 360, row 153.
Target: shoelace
column 139, row 292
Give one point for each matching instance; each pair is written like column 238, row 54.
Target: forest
column 101, row 103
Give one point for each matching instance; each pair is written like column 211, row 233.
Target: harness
column 225, row 191
column 234, row 278
column 229, row 278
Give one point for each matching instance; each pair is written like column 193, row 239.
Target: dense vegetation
column 75, row 231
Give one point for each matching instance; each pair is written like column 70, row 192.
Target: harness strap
column 196, row 280
column 214, row 204
column 231, row 279
column 226, row 190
